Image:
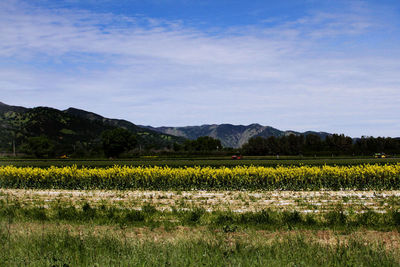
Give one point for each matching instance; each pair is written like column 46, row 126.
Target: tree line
column 120, row 142
column 116, row 143
column 313, row 144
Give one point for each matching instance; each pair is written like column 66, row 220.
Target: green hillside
column 71, row 131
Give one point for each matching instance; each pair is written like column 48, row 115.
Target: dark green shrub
column 223, row 218
column 261, row 217
column 396, row 217
column 88, row 211
column 229, row 228
column 36, row 213
column 148, row 209
column 310, row 220
column 291, row 217
column 67, row 213
column 335, row 217
column 193, row 216
column 134, row 216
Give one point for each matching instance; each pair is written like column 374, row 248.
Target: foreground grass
column 104, row 232
column 88, row 245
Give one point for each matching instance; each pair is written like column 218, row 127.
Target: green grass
column 105, row 234
column 86, row 247
column 149, row 216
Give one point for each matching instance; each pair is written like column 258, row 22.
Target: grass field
column 47, row 244
column 108, row 228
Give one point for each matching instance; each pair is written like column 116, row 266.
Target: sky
column 299, row 65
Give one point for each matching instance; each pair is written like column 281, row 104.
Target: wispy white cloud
column 294, row 74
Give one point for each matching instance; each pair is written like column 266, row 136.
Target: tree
column 256, row 146
column 295, row 143
column 339, row 144
column 39, row 146
column 203, row 143
column 206, row 143
column 273, row 145
column 117, row 141
column 313, row 143
column 177, row 147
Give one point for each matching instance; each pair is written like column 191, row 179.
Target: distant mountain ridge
column 230, row 135
column 95, row 117
column 5, row 108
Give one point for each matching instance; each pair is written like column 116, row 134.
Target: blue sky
column 301, row 65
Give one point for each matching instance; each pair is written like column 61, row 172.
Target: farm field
column 360, row 177
column 200, row 161
column 219, row 228
column 214, row 216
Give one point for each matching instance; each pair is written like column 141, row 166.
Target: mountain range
column 72, row 127
column 230, row 135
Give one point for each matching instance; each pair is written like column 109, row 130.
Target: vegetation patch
column 87, row 245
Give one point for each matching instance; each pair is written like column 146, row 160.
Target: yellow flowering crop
column 240, row 177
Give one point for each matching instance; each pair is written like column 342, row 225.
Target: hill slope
column 69, row 130
column 230, row 135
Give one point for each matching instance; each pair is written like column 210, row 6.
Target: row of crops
column 361, row 177
column 192, row 162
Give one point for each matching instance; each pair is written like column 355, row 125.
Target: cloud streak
column 314, row 72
